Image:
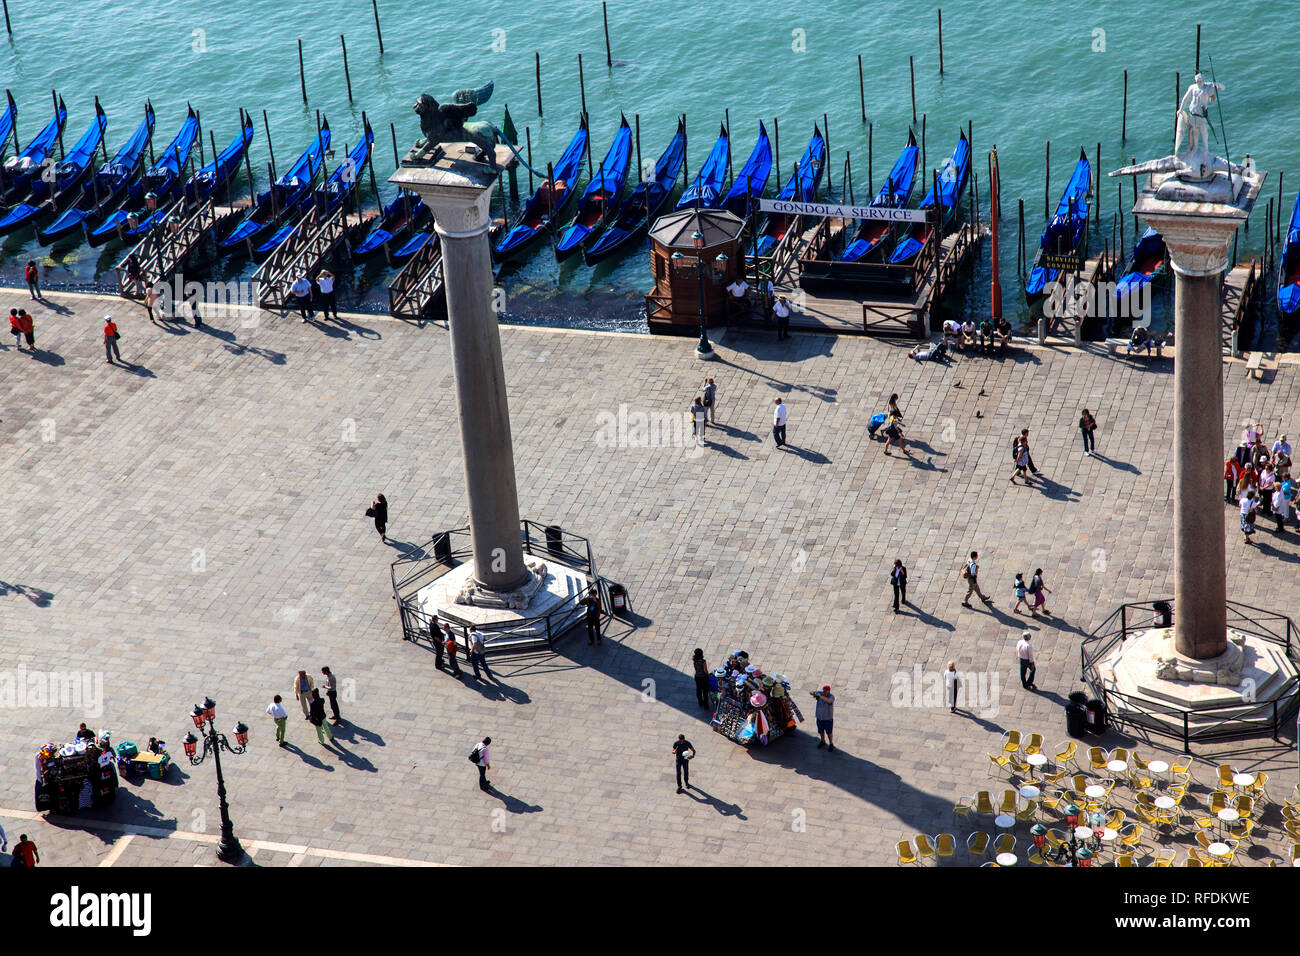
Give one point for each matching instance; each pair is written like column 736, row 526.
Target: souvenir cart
column 750, row 706
column 75, row 776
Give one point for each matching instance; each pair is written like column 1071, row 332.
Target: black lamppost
column 228, row 850
column 703, row 350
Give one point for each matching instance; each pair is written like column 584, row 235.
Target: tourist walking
column 1087, row 427
column 328, row 298
column 16, row 329
column 592, row 614
column 25, row 853
column 698, row 422
column 778, row 423
column 825, row 717
column 111, row 337
column 781, row 309
column 28, row 327
column 1022, row 464
column 701, row 677
column 1025, row 653
column 278, row 714
column 684, row 752
column 33, row 277
column 483, row 760
column 1021, row 591
column 1021, row 443
column 1037, row 588
column 898, row 578
column 317, row 716
column 894, row 433
column 710, row 395
column 971, row 572
column 192, row 300
column 150, row 302
column 379, row 511
column 449, row 644
column 951, row 683
column 303, row 685
column 438, row 634
column 478, row 654
column 332, row 693
column 301, row 291
column 1248, row 507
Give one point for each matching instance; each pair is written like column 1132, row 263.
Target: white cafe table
column 1005, row 821
column 1006, row 859
column 1219, row 849
column 1030, row 792
column 1165, row 803
column 1117, row 766
column 1083, row 833
column 1036, row 762
column 1243, row 780
column 1095, row 791
column 1158, row 766
column 1108, row 834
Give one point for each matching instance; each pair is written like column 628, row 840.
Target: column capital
column 457, row 188
column 1197, row 222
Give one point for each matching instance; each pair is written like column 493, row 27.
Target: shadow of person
column 46, row 357
column 352, row 732
column 726, row 451
column 514, row 804
column 816, row 457
column 925, row 617
column 1054, row 489
column 731, row 431
column 306, row 757
column 139, row 370
column 1116, row 463
column 726, row 809
column 354, row 761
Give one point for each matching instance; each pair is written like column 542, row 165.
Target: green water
column 1021, row 73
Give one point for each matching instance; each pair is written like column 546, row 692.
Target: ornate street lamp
column 703, row 350
column 205, row 721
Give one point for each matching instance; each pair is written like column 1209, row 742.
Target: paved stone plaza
column 194, row 525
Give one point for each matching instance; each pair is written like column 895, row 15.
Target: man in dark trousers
column 683, row 750
column 192, row 300
column 331, row 692
column 898, row 578
column 482, row 760
column 592, row 604
column 438, row 633
column 25, row 854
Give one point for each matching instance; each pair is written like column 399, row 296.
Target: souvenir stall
column 749, row 706
column 75, row 776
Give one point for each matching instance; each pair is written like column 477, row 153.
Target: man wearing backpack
column 971, row 572
column 479, row 757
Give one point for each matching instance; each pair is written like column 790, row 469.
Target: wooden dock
column 303, row 251
column 818, row 306
column 1069, row 304
column 166, row 247
column 415, row 289
column 1241, row 286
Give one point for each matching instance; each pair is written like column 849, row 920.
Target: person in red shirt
column 1231, row 472
column 450, row 644
column 16, row 327
column 29, row 328
column 110, row 340
column 33, row 277
column 25, row 850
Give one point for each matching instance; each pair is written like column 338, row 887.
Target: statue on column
column 443, row 123
column 1193, row 125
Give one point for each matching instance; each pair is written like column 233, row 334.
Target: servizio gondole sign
column 836, row 211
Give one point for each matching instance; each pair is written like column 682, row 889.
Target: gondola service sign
column 837, row 211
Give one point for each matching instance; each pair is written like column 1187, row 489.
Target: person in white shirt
column 781, row 309
column 967, row 333
column 778, row 423
column 281, row 717
column 951, row 681
column 1248, row 508
column 951, row 330
column 1025, row 651
column 478, row 654
column 484, row 763
column 738, row 298
column 738, row 289
column 971, row 572
column 328, row 298
column 301, row 290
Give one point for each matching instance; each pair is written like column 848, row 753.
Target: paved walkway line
column 299, row 851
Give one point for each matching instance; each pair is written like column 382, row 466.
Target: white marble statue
column 1193, row 125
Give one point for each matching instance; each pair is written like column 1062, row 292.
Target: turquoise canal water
column 1021, row 73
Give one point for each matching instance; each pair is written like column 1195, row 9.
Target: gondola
column 952, row 183
column 159, row 183
column 706, row 188
column 749, row 185
column 325, row 200
column 894, row 194
column 600, row 197
column 1065, row 233
column 269, row 207
column 23, row 170
column 50, row 195
column 800, row 187
column 1146, row 265
column 7, row 120
column 403, row 214
column 1288, row 273
column 547, row 203
column 644, row 203
column 217, row 173
column 107, row 188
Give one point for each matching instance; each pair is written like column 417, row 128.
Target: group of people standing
column 315, row 294
column 313, row 706
column 1258, row 478
column 704, row 409
column 765, row 304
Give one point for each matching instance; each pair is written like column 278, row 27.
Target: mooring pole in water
column 1047, row 184
column 871, row 186
column 302, row 75
column 1133, row 162
column 537, row 61
column 587, row 122
column 604, row 15
column 862, row 90
column 269, row 148
column 911, row 68
column 1096, row 172
column 776, row 132
column 248, row 169
column 727, row 118
column 1123, row 125
column 1198, row 56
column 1119, row 191
column 826, row 135
column 346, row 75
column 528, row 138
column 848, row 174
column 10, row 30
column 392, row 131
column 1020, row 257
column 198, row 122
column 379, row 34
column 640, row 170
column 1277, row 226
column 582, row 86
column 941, row 41
column 923, row 116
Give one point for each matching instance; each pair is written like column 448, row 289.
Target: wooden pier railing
column 414, row 290
column 302, row 251
column 163, row 249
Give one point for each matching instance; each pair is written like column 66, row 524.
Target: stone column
column 459, row 192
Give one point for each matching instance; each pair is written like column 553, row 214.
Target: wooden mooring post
column 1123, row 124
column 604, row 16
column 302, row 76
column 911, row 69
column 862, row 90
column 347, row 77
column 941, row 41
column 379, row 34
column 537, row 61
column 266, row 125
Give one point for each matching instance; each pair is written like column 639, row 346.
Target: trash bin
column 1076, row 717
column 1166, row 612
column 442, row 547
column 555, row 540
column 617, row 598
column 1096, row 716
